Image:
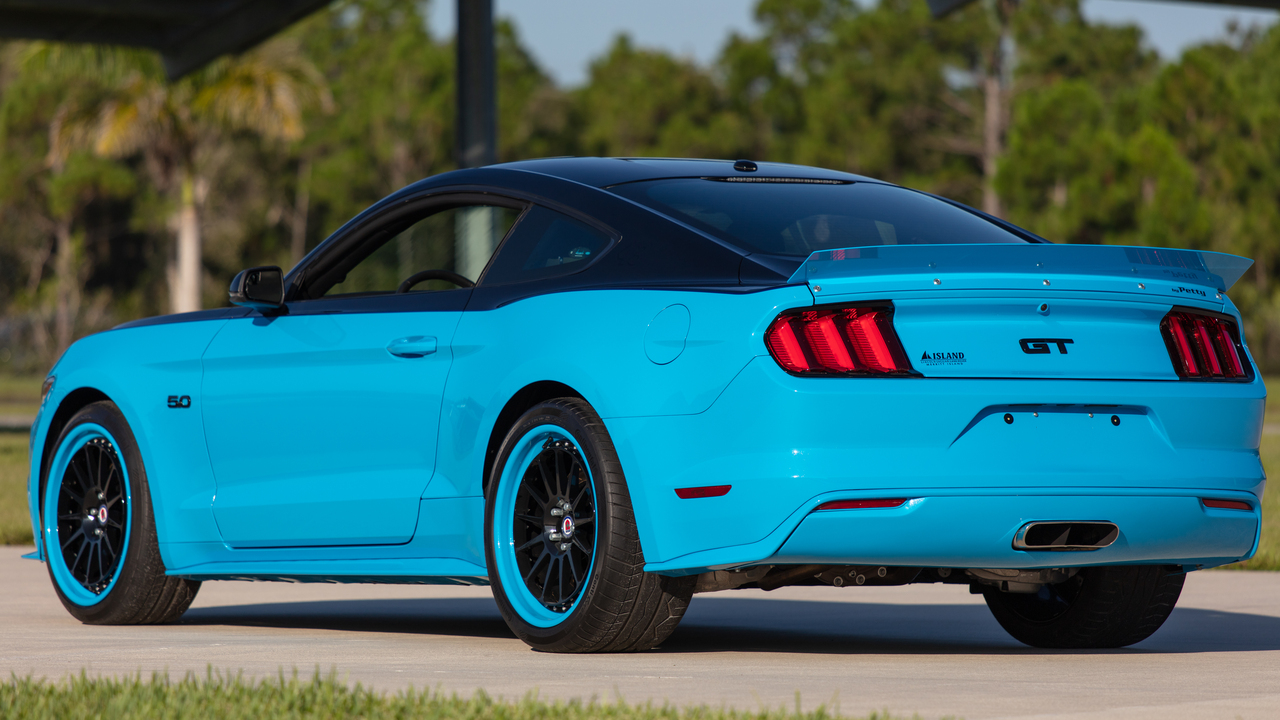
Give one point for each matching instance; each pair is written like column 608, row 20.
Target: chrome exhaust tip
column 1065, row 536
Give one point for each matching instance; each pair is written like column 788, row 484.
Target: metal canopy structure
column 190, row 33
column 187, row 33
column 942, row 8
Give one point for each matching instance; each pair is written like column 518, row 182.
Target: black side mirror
column 259, row 287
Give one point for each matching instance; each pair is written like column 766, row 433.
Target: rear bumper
column 787, row 444
column 978, row 530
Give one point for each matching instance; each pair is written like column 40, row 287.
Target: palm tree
column 176, row 127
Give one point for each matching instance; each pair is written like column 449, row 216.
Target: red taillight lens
column 862, row 504
column 825, row 341
column 1226, row 504
column 838, row 341
column 785, row 346
column 707, row 491
column 1203, row 346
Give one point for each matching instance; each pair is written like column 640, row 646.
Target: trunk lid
column 1028, row 311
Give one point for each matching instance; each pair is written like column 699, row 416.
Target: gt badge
column 1040, row 346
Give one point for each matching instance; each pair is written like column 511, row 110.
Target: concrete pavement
column 927, row 649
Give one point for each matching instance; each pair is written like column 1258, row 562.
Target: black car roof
column 603, row 172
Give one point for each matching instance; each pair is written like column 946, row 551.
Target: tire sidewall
column 1112, row 609
column 139, row 527
column 589, row 447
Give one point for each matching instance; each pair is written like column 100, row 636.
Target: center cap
column 102, row 514
column 566, row 527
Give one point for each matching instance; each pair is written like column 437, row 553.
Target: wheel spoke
column 97, row 553
column 76, row 563
column 98, row 475
column 534, row 567
column 530, row 544
column 560, row 579
column 577, row 541
column 66, row 489
column 546, row 582
column 76, row 534
column 111, row 475
column 559, row 474
column 576, row 474
column 583, row 521
column 530, row 490
column 531, row 519
column 79, row 479
column 573, row 569
column 80, row 474
column 542, row 470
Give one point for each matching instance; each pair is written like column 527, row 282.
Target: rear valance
column 1177, row 273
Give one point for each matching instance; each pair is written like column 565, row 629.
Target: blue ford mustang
column 604, row 385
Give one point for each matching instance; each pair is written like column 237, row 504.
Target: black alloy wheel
column 93, row 514
column 98, row 529
column 561, row 543
column 554, row 520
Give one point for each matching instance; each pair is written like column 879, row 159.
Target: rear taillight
column 838, row 341
column 1204, row 346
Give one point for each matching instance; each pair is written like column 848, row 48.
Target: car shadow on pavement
column 727, row 624
column 800, row 626
column 474, row 617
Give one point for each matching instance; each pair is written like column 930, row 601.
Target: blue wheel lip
column 530, row 608
column 70, row 587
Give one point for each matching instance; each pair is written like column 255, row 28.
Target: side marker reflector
column 1226, row 504
column 703, row 492
column 862, row 504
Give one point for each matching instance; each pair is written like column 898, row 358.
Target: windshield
column 798, row 218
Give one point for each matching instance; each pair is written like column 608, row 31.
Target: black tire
column 1100, row 607
column 617, row 606
column 96, row 455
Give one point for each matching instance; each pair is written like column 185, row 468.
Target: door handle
column 414, row 346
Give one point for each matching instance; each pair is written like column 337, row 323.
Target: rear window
column 798, row 218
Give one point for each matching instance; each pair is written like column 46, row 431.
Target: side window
column 458, row 240
column 546, row 244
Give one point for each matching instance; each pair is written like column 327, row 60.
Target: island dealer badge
column 934, row 359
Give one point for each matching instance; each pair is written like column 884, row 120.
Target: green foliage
column 231, row 697
column 641, row 102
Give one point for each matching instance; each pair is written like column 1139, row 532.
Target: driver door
column 322, row 422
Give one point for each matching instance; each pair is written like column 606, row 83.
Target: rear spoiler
column 979, row 263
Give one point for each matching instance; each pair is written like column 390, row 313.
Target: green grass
column 19, row 394
column 22, row 387
column 15, row 523
column 232, row 698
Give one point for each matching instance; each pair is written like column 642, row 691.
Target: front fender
column 138, row 369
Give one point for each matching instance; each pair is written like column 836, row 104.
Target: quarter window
column 545, row 244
